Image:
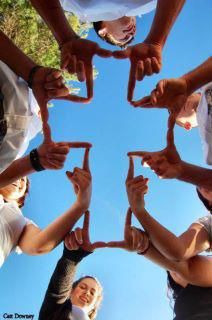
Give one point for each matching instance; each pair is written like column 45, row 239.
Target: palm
column 174, row 95
column 76, row 57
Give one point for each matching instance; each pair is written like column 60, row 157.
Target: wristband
column 35, row 161
column 31, row 75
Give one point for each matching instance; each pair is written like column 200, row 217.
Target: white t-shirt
column 12, row 223
column 204, row 119
column 78, row 314
column 98, row 10
column 21, row 112
column 206, row 222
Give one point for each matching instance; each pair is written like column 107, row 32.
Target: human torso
column 191, row 302
column 204, row 119
column 12, row 223
column 21, row 115
column 98, row 10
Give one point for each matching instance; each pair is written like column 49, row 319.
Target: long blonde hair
column 93, row 313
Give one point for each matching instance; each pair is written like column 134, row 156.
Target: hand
column 48, row 84
column 76, row 57
column 134, row 239
column 145, row 59
column 53, row 155
column 136, row 188
column 82, row 182
column 79, row 238
column 165, row 163
column 169, row 93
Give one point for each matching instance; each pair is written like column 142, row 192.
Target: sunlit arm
column 166, row 13
column 196, row 175
column 53, row 15
column 196, row 270
column 200, row 76
column 190, row 243
column 34, row 241
column 10, row 54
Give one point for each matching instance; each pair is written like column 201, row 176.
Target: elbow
column 178, row 255
column 37, row 250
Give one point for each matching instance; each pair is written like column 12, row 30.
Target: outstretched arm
column 35, row 241
column 76, row 53
column 57, row 298
column 51, row 156
column 190, row 243
column 167, row 164
column 196, row 270
column 165, row 17
column 146, row 57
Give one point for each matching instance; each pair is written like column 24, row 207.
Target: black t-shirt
column 191, row 302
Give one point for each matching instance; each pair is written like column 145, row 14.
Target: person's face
column 122, row 29
column 15, row 190
column 85, row 294
column 187, row 116
column 207, row 194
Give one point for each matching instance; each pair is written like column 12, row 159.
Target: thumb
column 99, row 244
column 121, row 54
column 104, row 53
column 47, row 133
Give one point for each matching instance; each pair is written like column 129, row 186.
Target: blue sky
column 134, row 288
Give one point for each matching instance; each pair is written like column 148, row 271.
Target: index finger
column 170, row 132
column 145, row 102
column 139, row 154
column 130, row 173
column 128, row 221
column 99, row 244
column 89, row 79
column 75, row 144
column 85, row 165
column 47, row 133
column 86, row 221
column 117, row 244
column 132, row 81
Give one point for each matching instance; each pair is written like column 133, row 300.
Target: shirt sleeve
column 56, row 301
column 28, row 221
column 206, row 222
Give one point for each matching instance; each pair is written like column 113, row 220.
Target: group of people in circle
column 26, row 88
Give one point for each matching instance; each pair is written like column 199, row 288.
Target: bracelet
column 31, row 75
column 35, row 160
column 145, row 251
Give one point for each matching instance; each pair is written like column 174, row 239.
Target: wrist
column 35, row 160
column 187, row 80
column 81, row 206
column 71, row 37
column 183, row 170
column 154, row 42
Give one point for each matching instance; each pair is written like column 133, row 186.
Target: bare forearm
column 10, row 54
column 47, row 239
column 166, row 13
column 196, row 270
column 162, row 239
column 18, row 169
column 52, row 13
column 199, row 76
column 198, row 176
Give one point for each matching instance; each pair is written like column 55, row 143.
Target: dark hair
column 21, row 200
column 93, row 313
column 109, row 38
column 204, row 201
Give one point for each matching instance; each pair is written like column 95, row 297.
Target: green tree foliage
column 21, row 23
